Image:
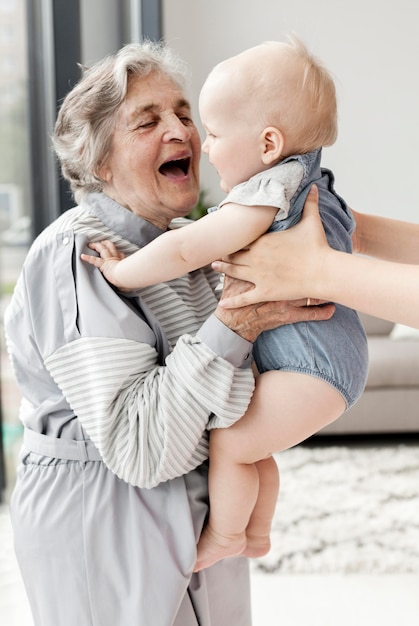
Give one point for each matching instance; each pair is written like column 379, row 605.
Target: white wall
column 372, row 50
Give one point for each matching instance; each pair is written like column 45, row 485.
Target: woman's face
column 153, row 168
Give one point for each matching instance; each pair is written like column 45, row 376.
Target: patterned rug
column 346, row 509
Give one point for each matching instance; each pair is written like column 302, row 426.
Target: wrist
column 242, row 328
column 225, row 342
column 322, row 274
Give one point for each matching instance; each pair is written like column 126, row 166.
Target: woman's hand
column 283, row 265
column 249, row 321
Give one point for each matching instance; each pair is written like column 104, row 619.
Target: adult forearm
column 384, row 289
column 149, row 421
column 385, row 238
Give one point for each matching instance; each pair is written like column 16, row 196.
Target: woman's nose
column 176, row 130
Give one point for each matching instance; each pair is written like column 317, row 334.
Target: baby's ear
column 272, row 145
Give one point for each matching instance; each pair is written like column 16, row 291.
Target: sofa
column 390, row 402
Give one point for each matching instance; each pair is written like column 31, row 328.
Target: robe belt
column 60, row 448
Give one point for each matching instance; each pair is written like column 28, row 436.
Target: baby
column 266, row 112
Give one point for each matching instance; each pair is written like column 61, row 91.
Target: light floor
column 277, row 600
column 335, row 600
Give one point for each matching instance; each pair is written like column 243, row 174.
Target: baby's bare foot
column 213, row 547
column 257, row 545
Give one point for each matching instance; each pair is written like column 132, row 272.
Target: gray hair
column 84, row 128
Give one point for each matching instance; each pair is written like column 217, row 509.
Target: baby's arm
column 108, row 259
column 180, row 251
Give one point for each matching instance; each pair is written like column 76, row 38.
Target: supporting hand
column 281, row 265
column 249, row 321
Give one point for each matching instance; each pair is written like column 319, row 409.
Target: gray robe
column 118, row 391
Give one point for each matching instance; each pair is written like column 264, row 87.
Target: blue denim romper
column 334, row 350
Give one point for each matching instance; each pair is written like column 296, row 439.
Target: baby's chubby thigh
column 310, row 373
column 286, row 408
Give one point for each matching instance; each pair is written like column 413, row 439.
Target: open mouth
column 175, row 169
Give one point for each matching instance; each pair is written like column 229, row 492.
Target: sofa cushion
column 375, row 325
column 393, row 363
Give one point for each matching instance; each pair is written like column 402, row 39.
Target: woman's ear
column 104, row 172
column 272, row 145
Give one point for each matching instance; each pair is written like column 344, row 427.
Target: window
column 15, row 195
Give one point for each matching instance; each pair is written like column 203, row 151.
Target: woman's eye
column 185, row 120
column 146, row 124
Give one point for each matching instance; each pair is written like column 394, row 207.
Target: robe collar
column 120, row 220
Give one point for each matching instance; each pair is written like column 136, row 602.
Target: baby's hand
column 107, row 261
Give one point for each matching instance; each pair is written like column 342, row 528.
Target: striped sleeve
column 148, row 421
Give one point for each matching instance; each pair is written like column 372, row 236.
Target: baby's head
column 279, row 85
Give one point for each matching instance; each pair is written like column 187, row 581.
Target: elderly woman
column 119, row 388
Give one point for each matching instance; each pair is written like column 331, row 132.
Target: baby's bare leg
column 286, row 408
column 225, row 533
column 258, row 530
column 233, row 531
